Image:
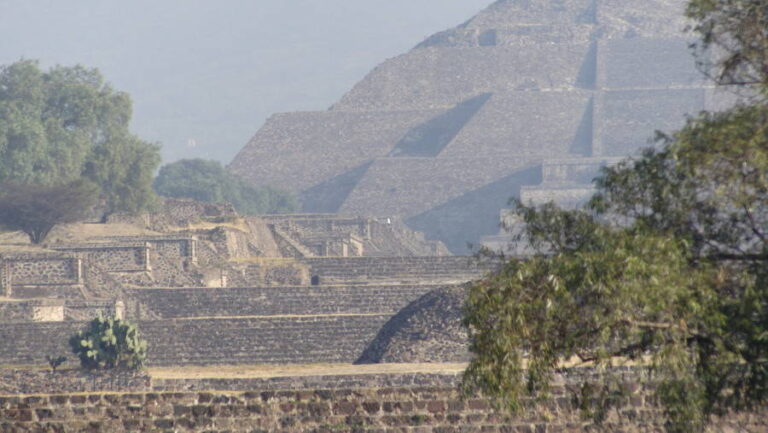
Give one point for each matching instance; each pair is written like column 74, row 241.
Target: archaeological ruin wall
column 429, row 403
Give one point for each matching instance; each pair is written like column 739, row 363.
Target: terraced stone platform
column 302, row 339
column 432, row 270
column 275, row 301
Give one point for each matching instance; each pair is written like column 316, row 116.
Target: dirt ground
column 270, row 371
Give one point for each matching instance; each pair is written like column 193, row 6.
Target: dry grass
column 272, row 371
column 264, row 261
column 79, row 232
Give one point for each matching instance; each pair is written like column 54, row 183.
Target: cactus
column 109, row 343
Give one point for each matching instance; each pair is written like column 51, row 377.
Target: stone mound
column 427, row 330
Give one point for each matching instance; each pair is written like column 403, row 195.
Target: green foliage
column 66, row 123
column 36, row 209
column 109, row 343
column 208, row 181
column 733, row 31
column 667, row 266
column 55, row 361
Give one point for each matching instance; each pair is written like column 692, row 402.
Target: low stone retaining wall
column 425, row 269
column 433, row 405
column 346, row 381
column 71, row 381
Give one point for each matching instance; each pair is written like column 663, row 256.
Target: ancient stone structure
column 258, row 325
column 428, row 330
column 526, row 99
column 378, row 403
column 208, row 294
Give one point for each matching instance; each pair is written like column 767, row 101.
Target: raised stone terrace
column 276, row 301
column 435, row 270
column 206, row 326
column 264, row 310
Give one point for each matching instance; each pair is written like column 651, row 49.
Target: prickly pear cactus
column 109, row 342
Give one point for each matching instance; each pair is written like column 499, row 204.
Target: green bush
column 109, row 343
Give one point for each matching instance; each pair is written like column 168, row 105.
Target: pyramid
column 529, row 98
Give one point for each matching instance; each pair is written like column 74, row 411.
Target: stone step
column 301, row 300
column 301, row 339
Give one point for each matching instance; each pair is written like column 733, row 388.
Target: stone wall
column 254, row 340
column 384, row 236
column 272, row 273
column 120, row 257
column 424, row 269
column 40, row 275
column 33, row 269
column 85, row 310
column 30, row 343
column 38, row 310
column 426, row 405
column 15, row 381
column 178, row 212
column 268, row 301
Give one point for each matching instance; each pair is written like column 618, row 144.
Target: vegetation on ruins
column 55, row 361
column 666, row 266
column 109, row 343
column 36, row 209
column 208, row 181
column 67, row 124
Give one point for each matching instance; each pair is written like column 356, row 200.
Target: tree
column 665, row 266
column 208, row 181
column 66, row 123
column 36, row 209
column 734, row 33
column 109, row 343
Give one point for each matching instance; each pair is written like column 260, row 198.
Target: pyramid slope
column 443, row 135
column 409, row 186
column 441, row 78
column 299, row 150
column 527, row 124
column 522, row 22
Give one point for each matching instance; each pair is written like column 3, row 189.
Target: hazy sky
column 205, row 74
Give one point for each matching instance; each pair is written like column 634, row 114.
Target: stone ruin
column 208, row 287
column 526, row 99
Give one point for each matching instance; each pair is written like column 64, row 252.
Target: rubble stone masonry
column 412, row 403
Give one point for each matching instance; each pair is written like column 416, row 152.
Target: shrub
column 109, row 343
